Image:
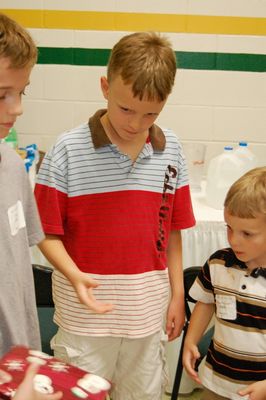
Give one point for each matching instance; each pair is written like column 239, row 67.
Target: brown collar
column 99, row 137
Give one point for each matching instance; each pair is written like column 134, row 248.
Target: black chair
column 190, row 275
column 45, row 305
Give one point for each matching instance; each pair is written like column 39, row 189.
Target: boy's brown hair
column 16, row 44
column 147, row 61
column 246, row 198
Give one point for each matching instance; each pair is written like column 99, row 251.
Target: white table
column 199, row 243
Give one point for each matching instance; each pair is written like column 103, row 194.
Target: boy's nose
column 134, row 124
column 15, row 107
column 233, row 239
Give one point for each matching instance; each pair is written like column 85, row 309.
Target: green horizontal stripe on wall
column 185, row 60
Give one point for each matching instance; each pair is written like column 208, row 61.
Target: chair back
column 43, row 285
column 190, row 274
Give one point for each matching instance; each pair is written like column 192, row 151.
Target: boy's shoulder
column 9, row 155
column 70, row 139
column 70, row 143
column 172, row 138
column 13, row 166
column 168, row 132
column 79, row 132
column 227, row 258
column 222, row 254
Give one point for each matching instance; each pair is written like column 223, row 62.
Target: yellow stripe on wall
column 226, row 25
column 87, row 20
column 28, row 18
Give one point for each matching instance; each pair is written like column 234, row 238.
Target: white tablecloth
column 199, row 243
column 208, row 235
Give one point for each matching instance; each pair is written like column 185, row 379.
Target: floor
column 195, row 395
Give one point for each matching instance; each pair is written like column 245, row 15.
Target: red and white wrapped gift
column 53, row 375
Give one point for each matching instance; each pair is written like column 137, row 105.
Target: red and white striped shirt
column 114, row 218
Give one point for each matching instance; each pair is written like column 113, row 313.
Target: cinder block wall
column 219, row 96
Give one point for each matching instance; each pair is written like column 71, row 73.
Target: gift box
column 53, row 375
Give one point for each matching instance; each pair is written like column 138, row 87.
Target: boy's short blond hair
column 16, row 44
column 147, row 61
column 246, row 198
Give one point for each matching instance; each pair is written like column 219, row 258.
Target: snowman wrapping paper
column 53, row 375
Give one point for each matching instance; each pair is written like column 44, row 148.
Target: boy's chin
column 241, row 257
column 3, row 132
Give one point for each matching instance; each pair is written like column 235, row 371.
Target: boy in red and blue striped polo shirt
column 113, row 196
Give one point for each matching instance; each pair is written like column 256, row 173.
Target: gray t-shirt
column 20, row 228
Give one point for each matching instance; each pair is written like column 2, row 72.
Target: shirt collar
column 100, row 139
column 231, row 260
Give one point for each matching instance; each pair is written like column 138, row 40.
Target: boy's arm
column 176, row 309
column 199, row 321
column 256, row 391
column 55, row 252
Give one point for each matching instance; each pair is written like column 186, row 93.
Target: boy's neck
column 253, row 265
column 132, row 148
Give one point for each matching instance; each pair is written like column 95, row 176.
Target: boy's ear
column 104, row 87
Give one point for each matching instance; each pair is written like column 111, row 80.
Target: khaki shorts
column 136, row 367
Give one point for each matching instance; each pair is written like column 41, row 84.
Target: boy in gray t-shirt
column 19, row 219
column 20, row 226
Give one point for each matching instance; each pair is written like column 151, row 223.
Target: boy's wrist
column 74, row 274
column 189, row 343
column 177, row 295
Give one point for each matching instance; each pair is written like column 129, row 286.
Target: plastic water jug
column 222, row 172
column 246, row 156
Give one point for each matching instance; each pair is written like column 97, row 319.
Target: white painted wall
column 214, row 107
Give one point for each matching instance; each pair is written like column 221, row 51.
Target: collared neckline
column 100, row 139
column 231, row 260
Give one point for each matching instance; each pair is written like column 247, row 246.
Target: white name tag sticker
column 225, row 306
column 16, row 218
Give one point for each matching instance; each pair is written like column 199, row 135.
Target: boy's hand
column 26, row 391
column 53, row 249
column 256, row 391
column 190, row 356
column 175, row 320
column 4, row 377
column 83, row 286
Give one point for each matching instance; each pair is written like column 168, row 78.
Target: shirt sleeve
column 202, row 289
column 51, row 194
column 32, row 220
column 183, row 216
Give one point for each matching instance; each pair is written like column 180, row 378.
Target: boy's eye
column 3, row 96
column 247, row 234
